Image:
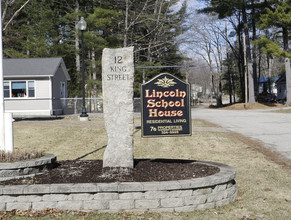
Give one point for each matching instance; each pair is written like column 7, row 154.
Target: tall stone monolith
column 117, row 88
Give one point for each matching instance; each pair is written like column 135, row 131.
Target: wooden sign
column 166, row 107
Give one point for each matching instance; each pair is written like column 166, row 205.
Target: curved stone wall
column 26, row 168
column 167, row 196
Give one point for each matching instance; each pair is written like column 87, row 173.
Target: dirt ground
column 147, row 170
column 257, row 105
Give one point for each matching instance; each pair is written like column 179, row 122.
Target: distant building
column 35, row 86
column 195, row 91
column 267, row 86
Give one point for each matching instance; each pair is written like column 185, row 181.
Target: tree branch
column 15, row 14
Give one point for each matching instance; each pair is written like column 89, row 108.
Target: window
column 31, row 89
column 6, row 90
column 19, row 89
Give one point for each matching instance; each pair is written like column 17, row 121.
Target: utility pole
column 245, row 70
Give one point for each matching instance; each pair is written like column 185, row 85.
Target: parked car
column 271, row 98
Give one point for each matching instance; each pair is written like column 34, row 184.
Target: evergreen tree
column 278, row 16
column 47, row 28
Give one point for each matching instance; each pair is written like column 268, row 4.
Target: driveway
column 273, row 129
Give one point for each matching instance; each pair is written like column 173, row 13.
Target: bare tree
column 130, row 23
column 205, row 39
column 200, row 75
column 9, row 3
column 155, row 17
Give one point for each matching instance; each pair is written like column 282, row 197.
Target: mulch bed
column 145, row 170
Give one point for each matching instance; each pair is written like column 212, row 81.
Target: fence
column 93, row 105
column 66, row 106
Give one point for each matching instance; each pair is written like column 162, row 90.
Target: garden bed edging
column 21, row 169
column 165, row 196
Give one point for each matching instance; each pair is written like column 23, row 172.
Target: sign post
column 166, row 109
column 6, row 120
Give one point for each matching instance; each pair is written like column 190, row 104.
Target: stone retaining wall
column 182, row 195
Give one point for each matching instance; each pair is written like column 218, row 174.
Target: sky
column 192, row 4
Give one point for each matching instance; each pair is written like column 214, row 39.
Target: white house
column 264, row 84
column 195, row 90
column 35, row 86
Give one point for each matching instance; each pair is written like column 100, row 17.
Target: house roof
column 33, row 67
column 281, row 80
column 266, row 79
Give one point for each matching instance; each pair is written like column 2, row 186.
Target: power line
column 152, row 67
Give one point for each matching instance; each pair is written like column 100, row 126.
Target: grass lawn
column 264, row 186
column 284, row 111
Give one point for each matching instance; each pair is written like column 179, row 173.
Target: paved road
column 273, row 129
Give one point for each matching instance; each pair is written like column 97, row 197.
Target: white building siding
column 39, row 105
column 27, row 106
column 42, row 89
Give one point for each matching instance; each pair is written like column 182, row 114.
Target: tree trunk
column 233, row 88
column 149, row 57
column 287, row 66
column 93, row 60
column 228, row 65
column 77, row 42
column 270, row 64
column 255, row 75
column 229, row 82
column 249, row 56
column 219, row 94
column 288, row 81
column 89, row 73
column 126, row 24
column 259, row 72
column 241, row 68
